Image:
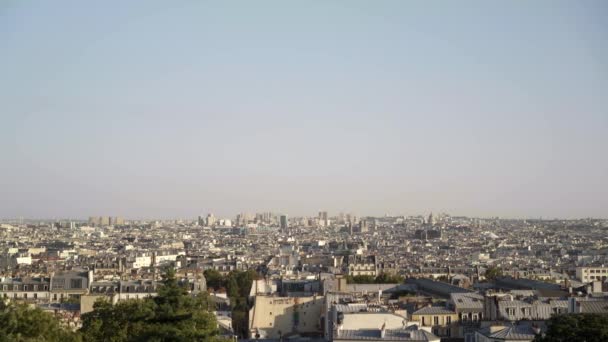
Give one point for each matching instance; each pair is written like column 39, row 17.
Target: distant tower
column 363, row 226
column 210, row 220
column 283, row 223
column 431, row 220
column 323, row 220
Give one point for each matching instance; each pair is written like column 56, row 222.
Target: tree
column 576, row 327
column 173, row 315
column 361, row 279
column 493, row 273
column 20, row 323
column 383, row 278
column 214, row 279
column 386, row 278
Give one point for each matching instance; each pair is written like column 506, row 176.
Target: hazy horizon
column 160, row 109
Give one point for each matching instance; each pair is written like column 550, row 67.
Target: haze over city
column 176, row 110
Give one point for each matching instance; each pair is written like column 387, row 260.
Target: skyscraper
column 210, row 220
column 283, row 222
column 323, row 221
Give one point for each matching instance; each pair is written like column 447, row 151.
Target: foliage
column 20, row 323
column 493, row 273
column 238, row 285
column 383, row 278
column 402, row 293
column 171, row 316
column 214, row 279
column 576, row 327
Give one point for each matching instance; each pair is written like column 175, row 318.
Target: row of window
column 25, row 287
column 448, row 320
column 25, row 296
column 124, row 289
column 604, row 271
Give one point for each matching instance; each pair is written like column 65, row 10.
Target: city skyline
column 277, row 215
column 169, row 110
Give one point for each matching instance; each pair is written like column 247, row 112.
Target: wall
column 269, row 315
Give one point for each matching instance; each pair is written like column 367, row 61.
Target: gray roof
column 592, row 306
column 436, row 287
column 467, row 301
column 510, row 333
column 390, row 335
column 433, row 310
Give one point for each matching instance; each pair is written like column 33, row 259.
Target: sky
column 167, row 109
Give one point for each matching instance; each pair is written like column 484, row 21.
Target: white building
column 589, row 274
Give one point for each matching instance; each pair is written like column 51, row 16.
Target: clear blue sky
column 178, row 108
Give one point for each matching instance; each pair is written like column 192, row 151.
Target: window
column 423, row 321
column 75, row 283
column 25, row 295
column 436, row 320
column 24, row 287
column 448, row 320
column 35, row 296
column 271, row 313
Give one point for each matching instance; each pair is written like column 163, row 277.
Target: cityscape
column 303, row 171
column 323, row 277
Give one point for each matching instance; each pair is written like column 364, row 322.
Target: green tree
column 238, row 285
column 386, row 278
column 173, row 315
column 575, row 328
column 361, row 279
column 20, row 323
column 493, row 273
column 214, row 279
